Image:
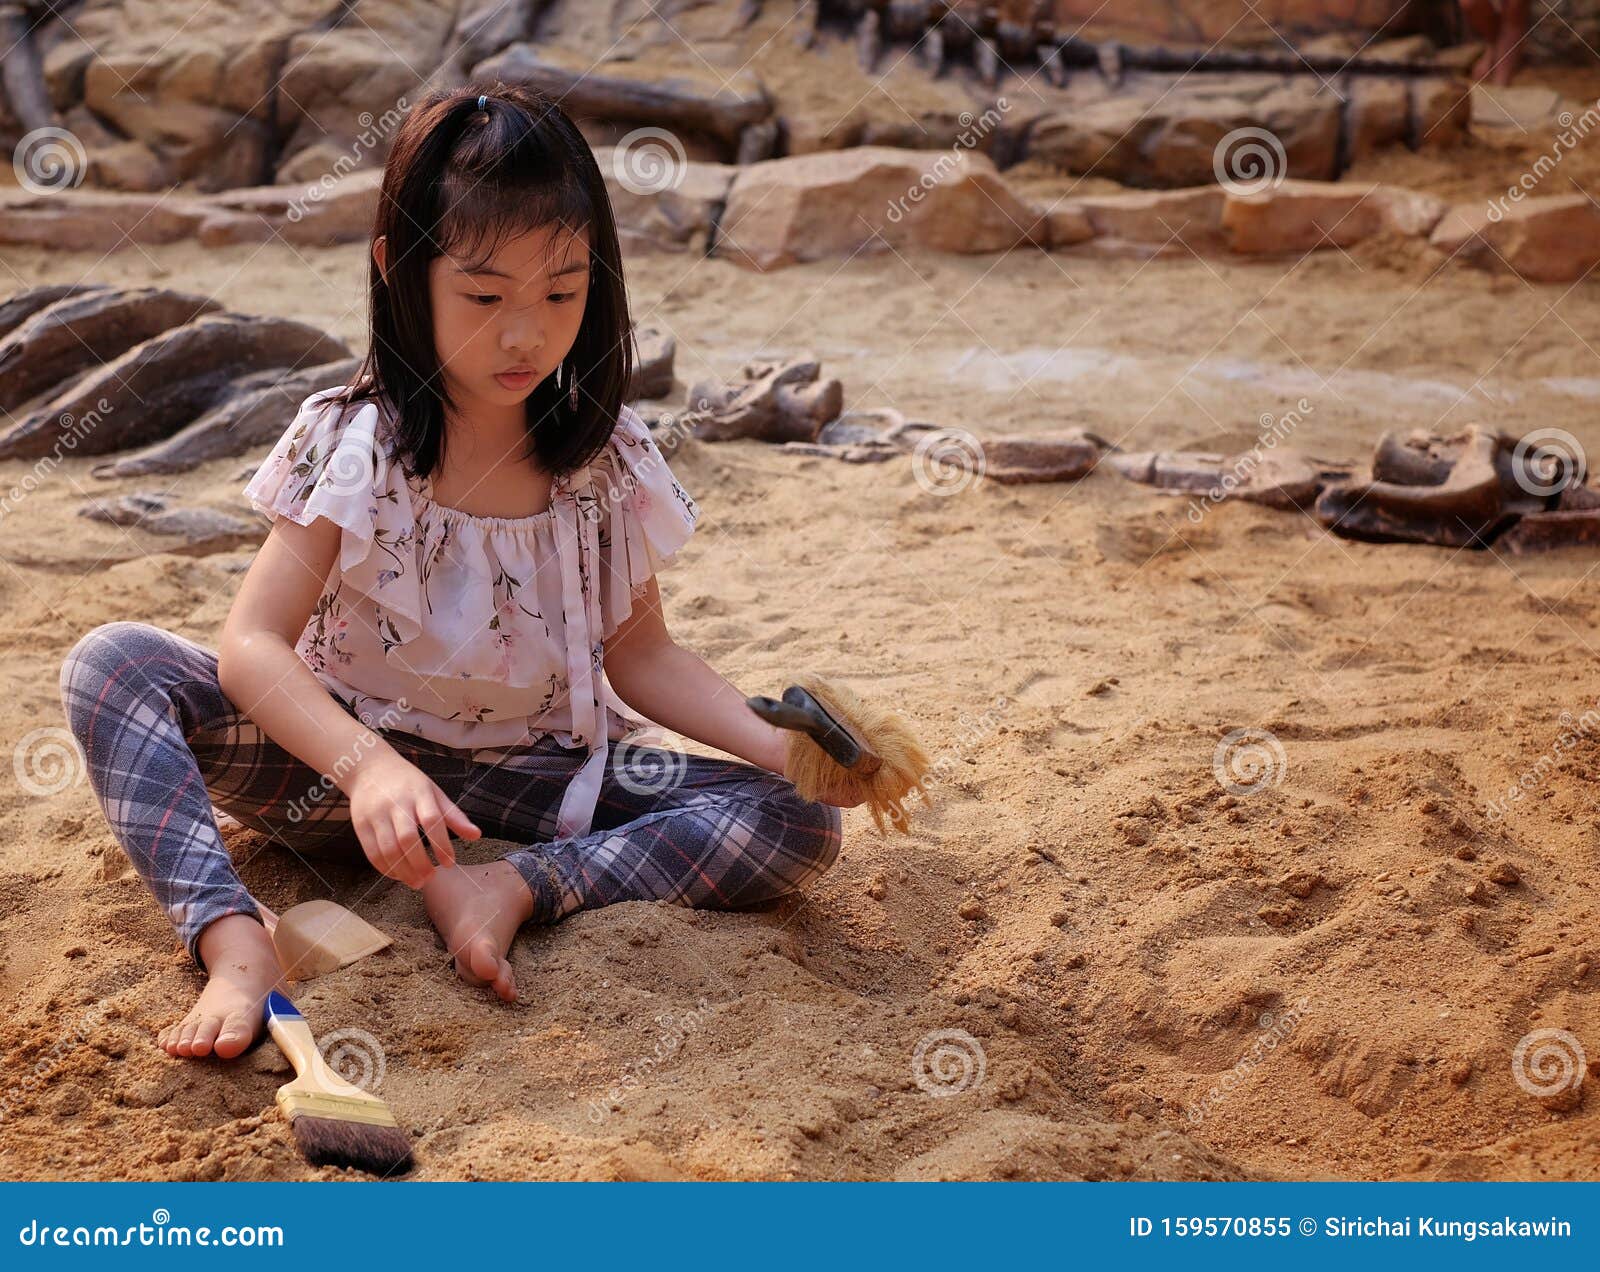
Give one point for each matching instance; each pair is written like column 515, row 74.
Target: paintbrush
column 838, row 736
column 335, row 1122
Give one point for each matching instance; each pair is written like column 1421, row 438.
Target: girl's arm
column 679, row 691
column 262, row 674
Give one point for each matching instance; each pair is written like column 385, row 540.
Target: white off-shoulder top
column 475, row 632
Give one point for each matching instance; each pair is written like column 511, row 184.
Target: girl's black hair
column 464, row 181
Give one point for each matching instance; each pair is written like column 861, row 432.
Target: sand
column 1150, row 977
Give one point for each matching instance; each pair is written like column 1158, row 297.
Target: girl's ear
column 379, row 252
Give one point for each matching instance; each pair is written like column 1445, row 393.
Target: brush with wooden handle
column 335, row 1122
column 837, row 736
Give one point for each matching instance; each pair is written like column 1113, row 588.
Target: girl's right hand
column 390, row 798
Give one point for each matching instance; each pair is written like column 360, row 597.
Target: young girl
column 464, row 540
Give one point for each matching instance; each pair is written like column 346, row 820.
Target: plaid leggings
column 165, row 748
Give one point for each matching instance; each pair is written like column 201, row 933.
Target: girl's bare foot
column 477, row 910
column 243, row 968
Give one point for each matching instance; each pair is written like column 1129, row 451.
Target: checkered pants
column 165, row 748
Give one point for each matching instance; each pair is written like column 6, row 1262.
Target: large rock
column 1301, row 216
column 343, row 91
column 1165, row 131
column 1552, row 239
column 194, row 81
column 693, row 99
column 1261, row 23
column 662, row 204
column 871, row 198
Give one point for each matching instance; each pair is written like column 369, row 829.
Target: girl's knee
column 817, row 832
column 110, row 641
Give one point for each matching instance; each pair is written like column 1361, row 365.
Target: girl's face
column 501, row 329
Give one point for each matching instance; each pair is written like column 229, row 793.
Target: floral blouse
column 475, row 632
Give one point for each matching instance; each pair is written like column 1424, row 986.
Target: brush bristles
column 905, row 763
column 327, row 1141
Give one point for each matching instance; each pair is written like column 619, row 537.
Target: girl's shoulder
column 332, row 459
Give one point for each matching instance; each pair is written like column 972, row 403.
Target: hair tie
column 483, row 101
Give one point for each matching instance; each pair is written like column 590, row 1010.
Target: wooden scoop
column 317, row 937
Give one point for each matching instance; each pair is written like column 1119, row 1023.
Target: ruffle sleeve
column 334, row 462
column 645, row 516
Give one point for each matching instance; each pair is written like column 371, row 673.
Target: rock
column 95, row 221
column 1455, row 492
column 346, row 81
column 652, row 372
column 163, row 383
column 780, row 401
column 834, row 204
column 77, row 333
column 1505, row 874
column 1544, row 531
column 1300, row 216
column 1017, row 458
column 1279, row 477
column 320, row 214
column 1441, row 111
column 1378, row 116
column 662, row 204
column 692, row 98
column 201, row 529
column 972, row 910
column 1302, row 883
column 1164, row 131
column 252, row 416
column 1159, row 218
column 1550, row 239
column 1277, row 915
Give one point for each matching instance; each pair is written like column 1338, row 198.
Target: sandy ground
column 1157, row 978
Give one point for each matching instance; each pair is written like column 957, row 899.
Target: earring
column 572, row 392
column 560, row 366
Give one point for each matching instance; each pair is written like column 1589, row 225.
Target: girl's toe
column 234, row 1036
column 206, row 1035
